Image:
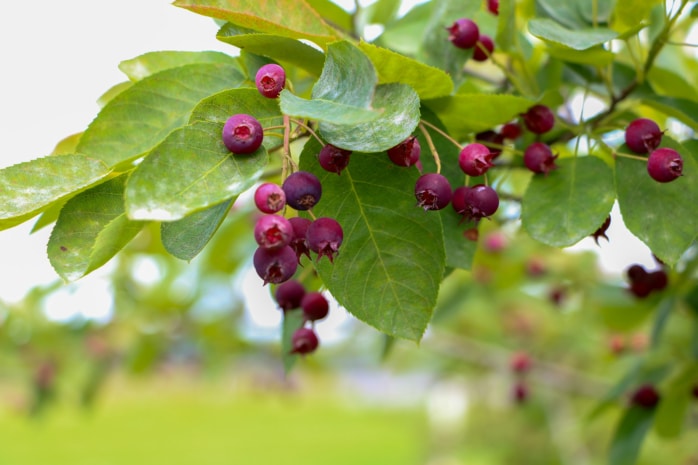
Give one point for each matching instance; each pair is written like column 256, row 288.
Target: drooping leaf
column 661, row 215
column 629, row 436
column 576, row 39
column 348, row 76
column 150, row 63
column 91, row 228
column 28, row 188
column 325, row 111
column 190, row 170
column 570, row 203
column 143, row 115
column 185, row 238
column 391, row 263
column 296, row 19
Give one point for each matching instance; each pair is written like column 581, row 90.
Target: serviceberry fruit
column 269, row 198
column 642, row 282
column 275, row 265
column 520, row 392
column 406, row 153
column 601, row 231
column 433, row 191
column 315, row 306
column 304, row 341
column 483, row 48
column 270, row 80
column 289, row 294
column 520, row 362
column 475, row 202
column 511, row 131
column 475, row 159
column 539, row 119
column 665, row 165
column 298, row 243
column 491, row 139
column 645, row 396
column 539, row 158
column 324, row 236
column 242, row 134
column 493, row 7
column 302, row 189
column 273, row 231
column 463, row 33
column 333, row 159
column 643, row 135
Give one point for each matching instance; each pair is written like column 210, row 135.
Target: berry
column 324, row 236
column 520, row 362
column 242, row 133
column 463, row 33
column 475, row 202
column 520, row 392
column 658, row 280
column 433, row 191
column 275, row 265
column 489, row 138
column 493, row 7
column 289, row 295
column 304, row 341
column 539, row 119
column 475, row 159
column 642, row 283
column 539, row 158
column 269, row 198
column 270, row 79
column 643, row 135
column 406, row 153
column 298, row 242
column 601, row 231
column 483, row 48
column 664, row 165
column 302, row 189
column 511, row 131
column 333, row 159
column 694, row 391
column 315, row 306
column 273, row 232
column 646, row 396
column 495, row 242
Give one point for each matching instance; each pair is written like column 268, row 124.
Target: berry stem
column 430, row 143
column 443, row 133
column 629, row 155
column 308, row 128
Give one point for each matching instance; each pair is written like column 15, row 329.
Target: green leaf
column 570, row 203
column 67, row 145
column 596, row 56
column 627, row 15
column 348, row 76
column 564, row 12
column 325, row 110
column 391, row 262
column 292, row 320
column 112, row 92
column 91, row 228
column 26, row 189
column 464, row 114
column 333, row 14
column 670, row 419
column 427, row 81
column 185, row 238
column 577, row 39
column 279, row 48
column 191, row 170
column 662, row 215
column 142, row 116
column 399, row 104
column 506, row 26
column 629, row 436
column 296, row 19
column 150, row 63
column 682, row 109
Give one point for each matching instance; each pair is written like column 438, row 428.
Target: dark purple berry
column 315, row 306
column 269, row 198
column 299, row 243
column 636, row 273
column 406, row 153
column 333, row 159
column 270, row 80
column 493, row 7
column 694, row 391
column 433, row 191
column 289, row 294
column 601, row 231
column 275, row 265
column 242, row 133
column 324, row 236
column 539, row 119
column 665, row 165
column 511, row 131
column 492, row 140
column 475, row 159
column 539, row 158
column 658, row 280
column 646, row 396
column 463, row 33
column 302, row 189
column 304, row 341
column 520, row 392
column 483, row 48
column 475, row 202
column 273, row 232
column 643, row 135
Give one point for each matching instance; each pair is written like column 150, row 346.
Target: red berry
column 324, row 236
column 302, row 189
column 315, row 306
column 475, row 159
column 275, row 265
column 304, row 341
column 493, row 7
column 539, row 119
column 539, row 158
column 273, row 232
column 475, row 202
column 463, row 33
column 333, row 159
column 520, row 362
column 289, row 294
column 406, row 153
column 433, row 191
column 643, row 135
column 646, row 396
column 665, row 165
column 511, row 131
column 242, row 134
column 483, row 48
column 270, row 80
column 269, row 198
column 298, row 242
column 491, row 140
column 520, row 392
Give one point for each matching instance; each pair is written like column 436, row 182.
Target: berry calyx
column 333, row 159
column 645, row 396
column 270, row 80
column 289, row 295
column 273, row 232
column 665, row 165
column 475, row 159
column 406, row 153
column 315, row 306
column 304, row 341
column 539, row 119
column 539, row 158
column 269, row 198
column 433, row 191
column 298, row 243
column 275, row 265
column 242, row 134
column 483, row 48
column 601, row 231
column 643, row 135
column 324, row 236
column 463, row 33
column 302, row 189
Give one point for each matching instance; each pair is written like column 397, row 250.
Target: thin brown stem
column 443, row 133
column 430, row 143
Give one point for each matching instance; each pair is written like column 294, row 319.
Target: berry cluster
column 520, row 364
column 643, row 283
column 465, row 33
column 291, row 296
column 643, row 136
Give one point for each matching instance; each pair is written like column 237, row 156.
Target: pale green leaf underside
column 348, row 76
column 325, row 110
column 91, row 228
column 150, row 63
column 578, row 39
column 189, row 171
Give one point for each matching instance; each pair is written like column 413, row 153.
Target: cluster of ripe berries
column 464, row 33
column 643, row 282
column 520, row 364
column 292, row 296
column 643, row 136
